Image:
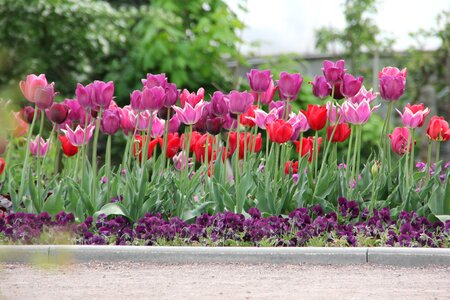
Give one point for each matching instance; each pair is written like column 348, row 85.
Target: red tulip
column 2, row 165
column 173, row 145
column 138, row 143
column 246, row 141
column 399, row 140
column 250, row 113
column 438, row 129
column 67, row 147
column 317, row 116
column 194, row 138
column 341, row 133
column 279, row 131
column 308, row 146
column 291, row 167
column 200, row 147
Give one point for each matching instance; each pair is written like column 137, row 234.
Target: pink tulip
column 399, row 140
column 289, row 85
column 76, row 111
column 219, row 104
column 32, row 85
column 299, row 124
column 103, row 93
column 77, row 137
column 321, row 87
column 44, row 96
column 279, row 107
column 180, row 161
column 351, row 85
column 262, row 119
column 357, row 113
column 267, row 96
column 110, row 122
column 136, row 100
column 412, row 119
column 392, row 83
column 363, row 94
column 334, row 113
column 192, row 98
column 239, row 102
column 155, row 80
column 153, row 98
column 333, row 71
column 126, row 123
column 189, row 115
column 174, row 124
column 157, row 127
column 259, row 80
column 39, row 147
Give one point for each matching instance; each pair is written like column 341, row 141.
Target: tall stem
column 438, row 150
column 300, row 153
column 94, row 157
column 236, row 166
column 411, row 162
column 428, row 167
column 316, row 153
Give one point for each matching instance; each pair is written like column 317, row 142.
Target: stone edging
column 409, row 257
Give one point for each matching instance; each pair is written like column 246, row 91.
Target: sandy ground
column 150, row 281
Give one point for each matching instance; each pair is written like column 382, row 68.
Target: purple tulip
column 83, row 94
column 110, row 122
column 75, row 110
column 219, row 104
column 44, row 96
column 321, row 87
column 279, row 107
column 155, row 80
column 351, row 85
column 180, row 161
column 136, row 100
column 189, row 115
column 267, row 96
column 214, row 125
column 77, row 137
column 229, row 122
column 239, row 102
column 102, row 93
column 174, row 124
column 259, row 80
column 171, row 96
column 334, row 113
column 27, row 113
column 289, row 85
column 333, row 72
column 392, row 83
column 153, row 98
column 357, row 113
column 58, row 113
column 39, row 147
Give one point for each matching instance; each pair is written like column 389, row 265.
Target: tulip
column 341, row 133
column 44, row 96
column 262, row 119
column 110, row 122
column 259, row 80
column 357, row 113
column 171, row 96
column 438, row 129
column 126, row 121
column 415, row 119
column 392, row 83
column 2, row 165
column 337, row 91
column 83, row 94
column 39, row 147
column 219, row 104
column 58, row 113
column 68, row 149
column 139, row 141
column 246, row 118
column 247, row 142
column 153, row 98
column 351, row 85
column 157, row 127
column 289, row 85
column 76, row 111
column 321, row 87
column 20, row 126
column 239, row 102
column 363, row 94
column 102, row 93
column 136, row 100
column 267, row 96
column 229, row 122
column 154, row 80
column 32, row 85
column 77, row 137
column 214, row 125
column 174, row 124
column 173, row 145
column 280, row 131
column 280, row 108
column 180, row 161
column 308, row 146
column 333, row 72
column 299, row 124
column 142, row 118
column 200, row 148
column 399, row 140
column 192, row 98
column 317, row 116
column 28, row 112
column 291, row 167
column 189, row 115
column 334, row 113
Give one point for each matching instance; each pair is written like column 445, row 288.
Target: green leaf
column 109, row 209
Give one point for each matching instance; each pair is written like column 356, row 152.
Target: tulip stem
column 385, row 134
column 438, row 150
column 133, row 142
column 236, row 166
column 166, row 137
column 428, row 167
column 411, row 163
column 148, row 137
column 300, row 154
column 316, row 153
column 94, row 156
column 354, row 160
column 349, row 149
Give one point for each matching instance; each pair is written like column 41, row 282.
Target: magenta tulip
column 155, row 80
column 333, row 71
column 289, row 85
column 102, row 93
column 392, row 83
column 136, row 100
column 219, row 104
column 351, row 85
column 267, row 96
column 77, row 137
column 39, row 147
column 239, row 102
column 153, row 98
column 259, row 80
column 171, row 95
column 192, row 98
column 110, row 122
column 157, row 127
column 363, row 94
column 174, row 124
column 189, row 115
column 357, row 113
column 126, row 122
column 321, row 87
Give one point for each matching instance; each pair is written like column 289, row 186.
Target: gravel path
column 150, row 281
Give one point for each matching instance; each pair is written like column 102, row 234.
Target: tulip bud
column 259, row 80
column 375, row 168
column 171, row 95
column 351, row 85
column 28, row 112
column 103, row 93
column 289, row 85
column 58, row 113
column 110, row 122
column 333, row 71
column 136, row 100
column 45, row 96
column 219, row 104
column 153, row 98
column 214, row 125
column 321, row 88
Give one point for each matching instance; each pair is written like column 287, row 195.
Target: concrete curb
column 409, row 257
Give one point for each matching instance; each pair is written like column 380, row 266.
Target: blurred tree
column 359, row 40
column 78, row 41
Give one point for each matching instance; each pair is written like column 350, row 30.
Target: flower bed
column 302, row 227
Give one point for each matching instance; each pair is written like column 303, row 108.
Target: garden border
column 408, row 257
